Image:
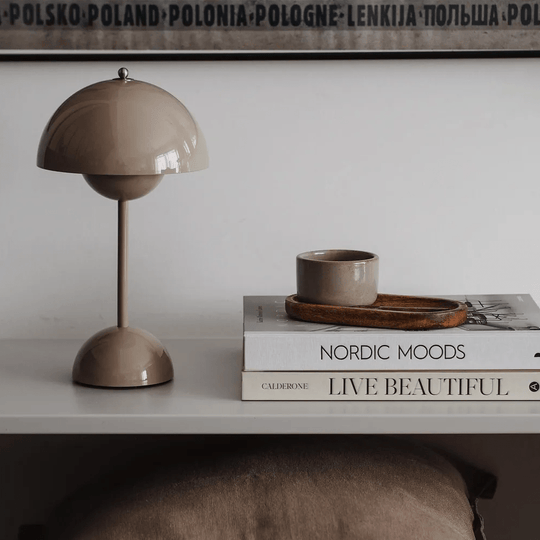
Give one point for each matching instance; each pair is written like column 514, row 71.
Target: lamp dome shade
column 122, row 127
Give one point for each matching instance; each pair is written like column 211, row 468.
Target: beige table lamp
column 123, row 136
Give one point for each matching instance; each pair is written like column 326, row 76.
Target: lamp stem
column 122, row 264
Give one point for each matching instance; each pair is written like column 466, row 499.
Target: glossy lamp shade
column 122, row 127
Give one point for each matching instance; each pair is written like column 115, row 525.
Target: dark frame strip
column 251, row 56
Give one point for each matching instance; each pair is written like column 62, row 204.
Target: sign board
column 267, row 25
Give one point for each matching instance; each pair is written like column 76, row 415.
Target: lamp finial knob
column 123, row 73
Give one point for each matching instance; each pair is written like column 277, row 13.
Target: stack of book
column 495, row 355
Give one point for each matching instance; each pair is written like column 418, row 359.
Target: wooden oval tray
column 388, row 311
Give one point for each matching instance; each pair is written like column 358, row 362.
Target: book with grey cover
column 501, row 332
column 521, row 385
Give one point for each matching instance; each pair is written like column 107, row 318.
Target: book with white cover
column 391, row 386
column 501, row 332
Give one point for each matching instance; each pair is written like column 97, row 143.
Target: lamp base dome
column 122, row 358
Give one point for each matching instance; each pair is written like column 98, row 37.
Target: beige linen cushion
column 302, row 488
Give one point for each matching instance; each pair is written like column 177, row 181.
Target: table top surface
column 37, row 396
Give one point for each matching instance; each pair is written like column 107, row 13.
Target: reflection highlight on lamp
column 170, row 161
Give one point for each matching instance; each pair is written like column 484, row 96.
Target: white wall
column 432, row 164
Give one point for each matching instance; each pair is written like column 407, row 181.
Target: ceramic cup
column 337, row 277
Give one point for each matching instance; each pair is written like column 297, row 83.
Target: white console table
column 42, row 412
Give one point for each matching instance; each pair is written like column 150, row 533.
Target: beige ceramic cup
column 337, row 277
